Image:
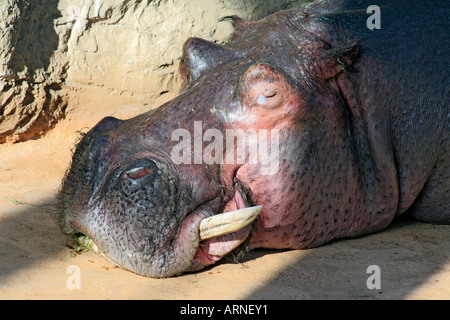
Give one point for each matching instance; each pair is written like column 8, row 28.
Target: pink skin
column 277, row 110
column 212, row 250
column 269, row 102
column 267, row 91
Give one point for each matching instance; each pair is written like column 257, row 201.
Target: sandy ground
column 413, row 258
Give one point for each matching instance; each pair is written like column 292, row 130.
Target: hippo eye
column 269, row 93
column 266, row 96
column 137, row 173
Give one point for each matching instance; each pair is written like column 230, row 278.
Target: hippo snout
column 142, row 211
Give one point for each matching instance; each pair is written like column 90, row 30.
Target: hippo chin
column 361, row 122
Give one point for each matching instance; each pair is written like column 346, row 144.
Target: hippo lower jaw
column 204, row 237
column 228, row 222
column 232, row 229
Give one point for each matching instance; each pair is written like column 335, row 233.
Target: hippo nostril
column 99, row 134
column 96, row 146
column 106, row 124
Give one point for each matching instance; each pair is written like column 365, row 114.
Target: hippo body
column 362, row 122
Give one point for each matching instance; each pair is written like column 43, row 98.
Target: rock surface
column 54, row 51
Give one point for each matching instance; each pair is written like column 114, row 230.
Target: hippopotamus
column 354, row 122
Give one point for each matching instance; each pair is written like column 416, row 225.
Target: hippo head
column 260, row 121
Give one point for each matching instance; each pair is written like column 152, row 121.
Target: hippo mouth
column 220, row 234
column 216, row 234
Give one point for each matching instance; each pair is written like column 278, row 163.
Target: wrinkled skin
column 363, row 136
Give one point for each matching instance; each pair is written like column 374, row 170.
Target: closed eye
column 269, row 93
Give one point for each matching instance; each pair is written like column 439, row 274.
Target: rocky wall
column 54, row 50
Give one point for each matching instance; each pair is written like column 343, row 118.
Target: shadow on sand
column 408, row 254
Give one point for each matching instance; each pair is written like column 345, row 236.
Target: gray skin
column 363, row 122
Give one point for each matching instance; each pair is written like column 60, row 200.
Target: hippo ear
column 335, row 60
column 200, row 55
